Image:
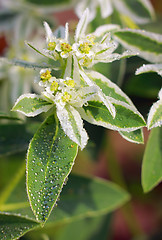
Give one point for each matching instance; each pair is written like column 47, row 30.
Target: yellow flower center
column 87, row 61
column 70, row 83
column 66, row 47
column 91, row 38
column 54, row 86
column 66, row 97
column 84, row 48
column 51, row 46
column 46, row 76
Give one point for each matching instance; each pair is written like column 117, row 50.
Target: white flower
column 67, row 97
column 87, row 50
column 97, row 46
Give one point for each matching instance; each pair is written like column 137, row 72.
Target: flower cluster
column 77, row 86
column 88, row 49
column 63, row 91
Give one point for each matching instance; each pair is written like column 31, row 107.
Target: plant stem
column 116, row 175
column 12, row 184
column 122, row 69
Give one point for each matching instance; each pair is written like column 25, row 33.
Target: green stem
column 122, row 69
column 11, row 186
column 116, row 175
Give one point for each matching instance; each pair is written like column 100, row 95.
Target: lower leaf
column 50, row 158
column 14, row 226
column 152, row 162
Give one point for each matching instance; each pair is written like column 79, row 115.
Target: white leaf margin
column 125, row 9
column 152, row 113
column 32, row 113
column 66, row 124
column 88, row 117
column 150, row 68
column 129, row 139
column 101, row 95
column 103, row 29
column 150, row 56
column 110, row 84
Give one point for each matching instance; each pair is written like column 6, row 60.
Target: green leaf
column 72, row 124
column 49, row 2
column 6, row 116
column 147, row 44
column 82, row 197
column 24, row 64
column 51, row 155
column 125, row 120
column 15, row 137
column 138, row 10
column 136, row 84
column 31, row 105
column 13, row 227
column 109, row 88
column 152, row 161
column 89, row 228
column 134, row 136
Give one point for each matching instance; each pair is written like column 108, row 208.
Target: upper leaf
column 152, row 161
column 140, row 11
column 23, row 63
column 51, row 155
column 126, row 118
column 134, row 136
column 147, row 44
column 109, row 88
column 150, row 68
column 72, row 125
column 31, row 105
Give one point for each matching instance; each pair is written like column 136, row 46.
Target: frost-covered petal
column 49, row 34
column 72, row 125
column 67, row 32
column 68, row 68
column 82, row 25
column 64, row 55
